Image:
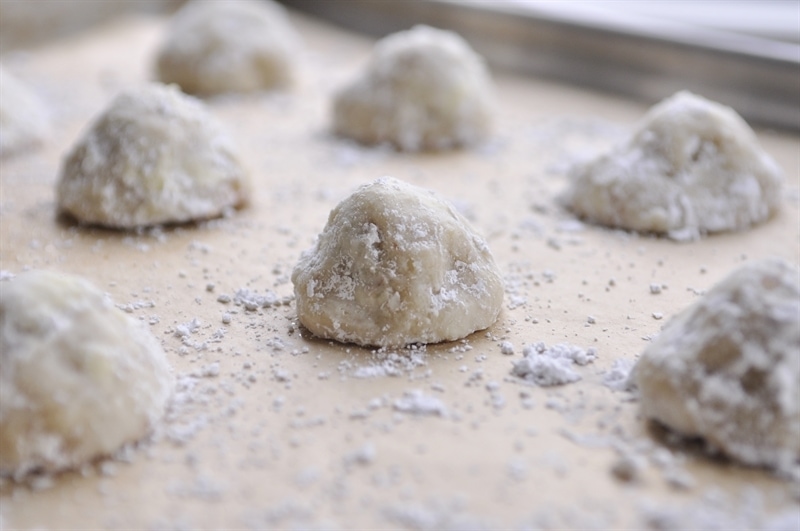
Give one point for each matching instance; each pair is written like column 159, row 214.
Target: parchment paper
column 271, row 428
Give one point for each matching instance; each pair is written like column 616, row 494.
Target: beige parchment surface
column 293, row 432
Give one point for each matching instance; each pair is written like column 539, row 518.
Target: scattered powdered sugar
column 515, row 301
column 207, row 371
column 186, row 329
column 136, row 305
column 373, row 371
column 551, row 366
column 362, row 456
column 617, row 378
column 416, row 402
column 252, row 300
column 545, row 371
column 720, row 512
column 387, row 362
column 184, row 418
column 655, row 288
column 190, row 337
column 440, row 515
column 573, row 353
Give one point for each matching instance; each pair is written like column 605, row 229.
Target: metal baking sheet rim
column 759, row 78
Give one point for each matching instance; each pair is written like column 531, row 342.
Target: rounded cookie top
column 728, row 367
column 692, row 167
column 78, row 377
column 395, row 265
column 154, row 156
column 218, row 46
column 423, row 89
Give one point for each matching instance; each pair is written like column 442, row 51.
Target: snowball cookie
column 78, row 377
column 728, row 367
column 396, row 264
column 23, row 120
column 154, row 156
column 692, row 167
column 221, row 46
column 423, row 89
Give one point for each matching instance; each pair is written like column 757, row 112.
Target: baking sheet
column 272, row 429
column 612, row 49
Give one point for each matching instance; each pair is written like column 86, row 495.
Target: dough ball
column 692, row 167
column 154, row 156
column 728, row 368
column 423, row 89
column 23, row 120
column 395, row 265
column 219, row 46
column 78, row 377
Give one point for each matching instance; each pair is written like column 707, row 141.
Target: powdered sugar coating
column 728, row 367
column 78, row 378
column 692, row 167
column 423, row 89
column 154, row 156
column 218, row 46
column 395, row 265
